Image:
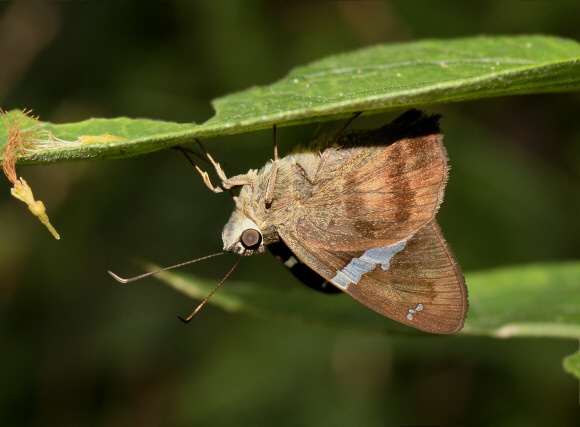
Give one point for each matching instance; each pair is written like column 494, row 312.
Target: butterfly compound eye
column 251, row 238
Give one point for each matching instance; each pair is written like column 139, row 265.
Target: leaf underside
column 374, row 79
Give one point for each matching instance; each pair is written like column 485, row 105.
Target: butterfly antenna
column 347, row 124
column 151, row 273
column 192, row 315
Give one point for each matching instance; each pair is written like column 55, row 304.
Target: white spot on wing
column 291, row 262
column 414, row 310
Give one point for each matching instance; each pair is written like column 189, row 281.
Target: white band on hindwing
column 365, row 263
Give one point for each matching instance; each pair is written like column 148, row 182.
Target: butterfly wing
column 416, row 282
column 300, row 270
column 381, row 193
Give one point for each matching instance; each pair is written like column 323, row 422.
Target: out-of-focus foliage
column 572, row 364
column 503, row 303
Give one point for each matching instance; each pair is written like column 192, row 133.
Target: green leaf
column 572, row 364
column 534, row 300
column 379, row 78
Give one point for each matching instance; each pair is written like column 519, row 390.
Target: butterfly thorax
column 292, row 186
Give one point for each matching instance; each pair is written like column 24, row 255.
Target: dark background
column 77, row 348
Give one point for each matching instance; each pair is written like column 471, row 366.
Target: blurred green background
column 77, row 348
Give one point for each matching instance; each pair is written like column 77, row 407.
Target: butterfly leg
column 274, row 173
column 303, row 172
column 204, row 175
column 227, row 183
column 321, row 163
column 220, row 172
column 207, row 181
column 338, row 135
column 346, row 125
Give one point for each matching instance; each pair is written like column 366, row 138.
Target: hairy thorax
column 293, row 185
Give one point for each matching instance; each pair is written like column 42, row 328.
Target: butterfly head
column 242, row 235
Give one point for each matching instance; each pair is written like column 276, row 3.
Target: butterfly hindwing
column 415, row 282
column 300, row 270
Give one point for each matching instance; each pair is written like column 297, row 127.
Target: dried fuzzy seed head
column 18, row 139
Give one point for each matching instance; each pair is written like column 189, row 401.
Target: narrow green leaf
column 540, row 300
column 379, row 78
column 534, row 300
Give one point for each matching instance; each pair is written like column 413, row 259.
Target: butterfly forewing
column 384, row 195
